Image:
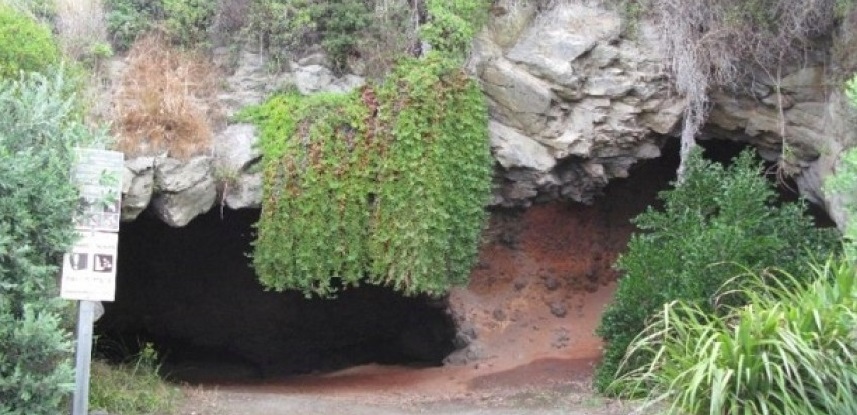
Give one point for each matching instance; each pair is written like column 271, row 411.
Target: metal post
column 83, row 357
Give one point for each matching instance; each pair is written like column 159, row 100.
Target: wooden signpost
column 89, row 270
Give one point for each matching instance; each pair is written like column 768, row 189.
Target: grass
column 166, row 101
column 132, row 388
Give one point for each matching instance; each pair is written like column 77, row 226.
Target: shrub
column 129, row 19
column 844, row 181
column 297, row 25
column 166, row 101
column 26, row 44
column 452, row 25
column 43, row 10
column 132, row 388
column 37, row 132
column 392, row 34
column 340, row 23
column 791, row 351
column 385, row 185
column 377, row 31
column 188, row 21
column 718, row 216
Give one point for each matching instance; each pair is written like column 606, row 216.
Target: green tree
column 38, row 130
column 717, row 219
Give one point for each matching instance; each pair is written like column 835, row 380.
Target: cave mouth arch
column 192, row 293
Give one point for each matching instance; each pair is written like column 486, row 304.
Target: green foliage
column 844, row 181
column 128, row 19
column 37, row 132
column 453, row 24
column 350, row 28
column 851, row 90
column 25, row 45
column 44, row 10
column 716, row 218
column 385, row 185
column 298, row 24
column 188, row 20
column 275, row 25
column 791, row 351
column 133, row 388
column 340, row 23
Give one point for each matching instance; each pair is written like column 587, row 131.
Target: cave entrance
column 193, row 295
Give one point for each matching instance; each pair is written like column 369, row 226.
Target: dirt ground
column 535, row 298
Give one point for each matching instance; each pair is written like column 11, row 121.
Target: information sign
column 89, row 270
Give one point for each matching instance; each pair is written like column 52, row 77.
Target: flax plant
column 792, row 350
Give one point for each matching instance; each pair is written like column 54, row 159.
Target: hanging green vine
column 385, row 185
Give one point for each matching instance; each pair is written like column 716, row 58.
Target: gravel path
column 548, row 402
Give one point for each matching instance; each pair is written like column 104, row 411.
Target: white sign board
column 98, row 176
column 89, row 270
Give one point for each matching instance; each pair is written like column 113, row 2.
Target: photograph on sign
column 89, row 270
column 98, row 177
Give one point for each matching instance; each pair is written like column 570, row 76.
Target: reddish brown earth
column 535, row 298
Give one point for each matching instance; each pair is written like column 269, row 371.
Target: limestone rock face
column 137, row 186
column 237, row 166
column 573, row 104
column 184, row 189
column 252, row 77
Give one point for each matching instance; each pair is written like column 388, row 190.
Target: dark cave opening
column 192, row 293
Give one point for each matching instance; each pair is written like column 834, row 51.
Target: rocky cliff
column 575, row 102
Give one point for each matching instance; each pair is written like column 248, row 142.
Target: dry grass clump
column 166, row 101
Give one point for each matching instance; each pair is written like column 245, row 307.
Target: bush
column 26, row 44
column 791, row 351
column 185, row 21
column 297, row 25
column 37, row 200
column 129, row 19
column 188, row 21
column 718, row 216
column 385, row 185
column 452, row 25
column 376, row 31
column 844, row 181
